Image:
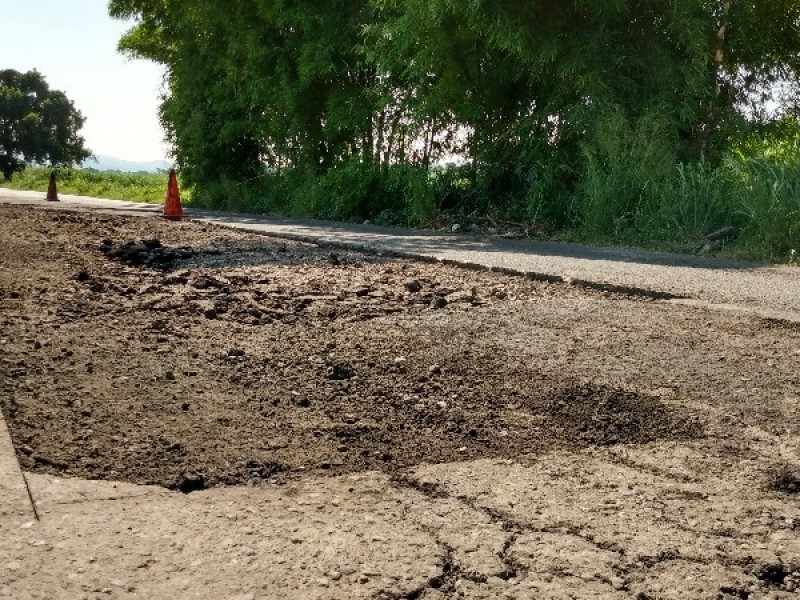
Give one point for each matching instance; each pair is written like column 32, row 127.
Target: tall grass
column 767, row 198
column 626, row 169
column 135, row 187
column 634, row 192
column 695, row 202
column 354, row 191
column 758, row 196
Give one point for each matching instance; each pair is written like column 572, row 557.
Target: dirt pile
column 196, row 357
column 599, row 415
column 149, row 253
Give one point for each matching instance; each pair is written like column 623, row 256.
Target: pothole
column 146, row 253
column 218, row 358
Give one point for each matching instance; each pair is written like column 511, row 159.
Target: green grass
column 135, row 187
column 760, row 196
column 633, row 192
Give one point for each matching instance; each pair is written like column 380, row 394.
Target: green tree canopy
column 37, row 124
column 530, row 94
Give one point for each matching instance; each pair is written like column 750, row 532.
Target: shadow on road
column 409, row 241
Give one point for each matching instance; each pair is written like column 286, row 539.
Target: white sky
column 73, row 44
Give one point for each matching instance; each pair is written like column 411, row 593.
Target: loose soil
column 189, row 355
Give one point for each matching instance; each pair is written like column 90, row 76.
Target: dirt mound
column 785, row 479
column 602, row 416
column 147, row 253
column 259, row 358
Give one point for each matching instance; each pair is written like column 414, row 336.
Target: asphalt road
column 768, row 290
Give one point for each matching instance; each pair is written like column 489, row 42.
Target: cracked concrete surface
column 591, row 525
column 312, row 539
column 662, row 521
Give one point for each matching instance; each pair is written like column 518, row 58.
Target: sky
column 73, row 44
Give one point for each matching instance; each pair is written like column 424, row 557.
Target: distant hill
column 101, row 162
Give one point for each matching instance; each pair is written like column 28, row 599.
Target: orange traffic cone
column 52, row 192
column 172, row 204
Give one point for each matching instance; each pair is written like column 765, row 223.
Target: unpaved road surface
column 353, row 425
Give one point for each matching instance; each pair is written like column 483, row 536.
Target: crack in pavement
column 624, row 568
column 652, row 469
column 445, row 584
column 506, row 521
column 514, row 569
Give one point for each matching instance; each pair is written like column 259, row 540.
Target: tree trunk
column 719, row 62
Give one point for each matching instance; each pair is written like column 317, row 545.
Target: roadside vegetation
column 37, row 124
column 136, row 187
column 635, row 123
column 669, row 125
column 751, row 193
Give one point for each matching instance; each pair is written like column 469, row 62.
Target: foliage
column 626, row 165
column 617, row 120
column 37, row 124
column 137, row 187
column 760, row 196
column 768, row 201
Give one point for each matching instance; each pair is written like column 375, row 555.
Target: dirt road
column 356, row 425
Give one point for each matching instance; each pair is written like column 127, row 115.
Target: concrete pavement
column 667, row 521
column 15, row 502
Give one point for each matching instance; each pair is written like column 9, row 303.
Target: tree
column 37, row 124
column 279, row 84
column 536, row 97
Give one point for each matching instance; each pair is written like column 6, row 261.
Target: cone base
column 52, row 189
column 175, row 217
